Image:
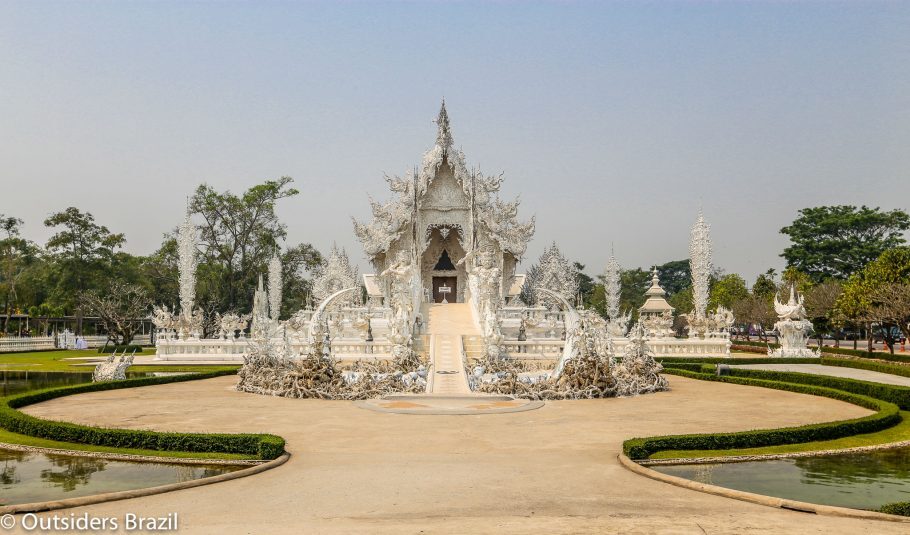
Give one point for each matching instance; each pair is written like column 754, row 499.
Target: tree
column 120, row 307
column 238, row 236
column 891, row 305
column 585, row 284
column 837, row 241
column 755, row 310
column 765, row 286
column 865, row 294
column 634, row 282
column 81, row 249
column 16, row 254
column 820, row 303
column 728, row 290
column 675, row 276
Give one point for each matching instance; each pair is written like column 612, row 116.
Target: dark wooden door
column 445, row 282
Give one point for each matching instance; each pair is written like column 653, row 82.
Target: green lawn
column 53, row 361
column 24, row 440
column 896, row 433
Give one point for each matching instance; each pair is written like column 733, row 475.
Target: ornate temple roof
column 392, row 218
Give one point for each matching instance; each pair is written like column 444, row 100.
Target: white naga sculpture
column 618, row 323
column 113, row 368
column 794, row 328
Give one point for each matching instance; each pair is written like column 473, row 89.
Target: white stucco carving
column 794, row 328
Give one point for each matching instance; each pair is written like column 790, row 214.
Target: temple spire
column 444, row 133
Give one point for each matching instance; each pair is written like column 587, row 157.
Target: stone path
column 446, row 325
column 550, row 470
column 834, row 371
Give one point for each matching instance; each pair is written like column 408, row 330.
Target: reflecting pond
column 27, row 477
column 16, row 382
column 858, row 480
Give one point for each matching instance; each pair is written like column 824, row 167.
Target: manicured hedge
column 899, row 508
column 748, row 349
column 887, row 414
column 756, row 343
column 893, row 369
column 672, row 361
column 120, row 348
column 263, row 446
column 899, row 395
column 827, row 350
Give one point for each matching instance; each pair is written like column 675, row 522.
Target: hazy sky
column 614, row 122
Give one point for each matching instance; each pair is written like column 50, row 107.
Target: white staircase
column 446, row 324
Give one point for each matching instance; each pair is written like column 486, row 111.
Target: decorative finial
column 444, row 133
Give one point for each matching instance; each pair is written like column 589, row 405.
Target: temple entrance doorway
column 445, row 289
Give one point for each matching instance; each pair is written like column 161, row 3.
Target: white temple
column 445, row 239
column 442, row 215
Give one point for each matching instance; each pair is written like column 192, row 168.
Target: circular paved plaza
column 550, row 470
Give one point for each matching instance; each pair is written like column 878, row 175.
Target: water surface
column 858, row 480
column 27, row 477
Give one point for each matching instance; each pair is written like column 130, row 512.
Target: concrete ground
column 834, row 371
column 551, row 470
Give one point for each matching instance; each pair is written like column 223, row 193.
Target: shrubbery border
column 263, row 446
column 881, row 355
column 887, row 414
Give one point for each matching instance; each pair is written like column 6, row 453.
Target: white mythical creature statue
column 485, row 277
column 794, row 328
column 113, row 368
column 230, row 323
column 163, row 319
column 401, row 276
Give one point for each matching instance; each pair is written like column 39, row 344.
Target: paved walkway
column 446, row 324
column 835, row 371
column 550, row 470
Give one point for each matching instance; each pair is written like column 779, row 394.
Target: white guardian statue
column 794, row 328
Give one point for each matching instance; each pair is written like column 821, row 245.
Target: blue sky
column 614, row 121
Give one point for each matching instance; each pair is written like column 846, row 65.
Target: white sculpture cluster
column 113, row 368
column 586, row 368
column 794, row 328
column 272, row 367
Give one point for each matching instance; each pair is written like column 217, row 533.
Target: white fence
column 233, row 350
column 64, row 340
